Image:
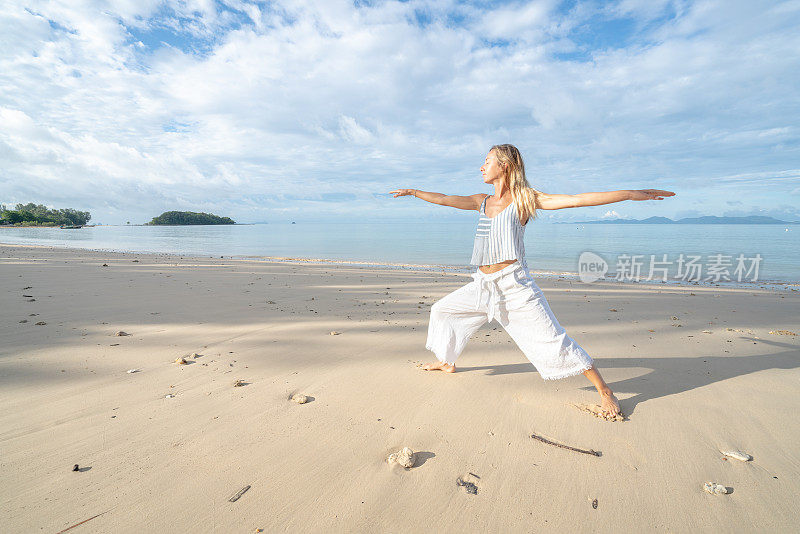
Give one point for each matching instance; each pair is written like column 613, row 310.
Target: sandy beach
column 164, row 449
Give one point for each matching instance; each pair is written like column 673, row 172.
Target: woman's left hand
column 650, row 194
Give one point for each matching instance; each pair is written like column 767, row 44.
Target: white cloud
column 523, row 20
column 294, row 100
column 352, row 131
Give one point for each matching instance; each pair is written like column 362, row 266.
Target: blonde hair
column 523, row 195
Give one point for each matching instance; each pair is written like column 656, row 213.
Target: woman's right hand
column 402, row 192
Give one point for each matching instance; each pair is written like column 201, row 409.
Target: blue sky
column 284, row 110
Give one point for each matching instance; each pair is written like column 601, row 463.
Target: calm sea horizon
column 769, row 252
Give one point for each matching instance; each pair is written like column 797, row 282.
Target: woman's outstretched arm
column 556, row 202
column 472, row 202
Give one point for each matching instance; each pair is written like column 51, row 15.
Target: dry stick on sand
column 82, row 522
column 239, row 494
column 544, row 440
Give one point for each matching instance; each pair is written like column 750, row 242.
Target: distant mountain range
column 707, row 219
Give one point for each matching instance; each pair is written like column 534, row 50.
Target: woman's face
column 491, row 169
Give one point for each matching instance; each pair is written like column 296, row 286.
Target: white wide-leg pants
column 512, row 298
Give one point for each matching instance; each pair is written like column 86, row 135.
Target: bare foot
column 441, row 366
column 609, row 404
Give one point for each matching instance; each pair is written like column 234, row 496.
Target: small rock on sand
column 737, row 455
column 597, row 411
column 169, row 396
column 238, row 383
column 299, row 398
column 121, row 333
column 195, row 355
column 130, row 371
column 405, row 457
column 181, row 361
column 335, row 333
column 41, row 323
column 470, row 488
column 715, row 489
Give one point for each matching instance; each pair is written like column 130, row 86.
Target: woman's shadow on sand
column 688, row 373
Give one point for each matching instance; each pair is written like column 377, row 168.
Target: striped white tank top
column 499, row 238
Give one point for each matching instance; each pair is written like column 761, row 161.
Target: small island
column 174, row 218
column 31, row 214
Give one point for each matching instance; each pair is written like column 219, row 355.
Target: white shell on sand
column 299, row 398
column 169, row 396
column 335, row 333
column 180, row 361
column 195, row 355
column 405, row 457
column 133, row 370
column 715, row 489
column 737, row 455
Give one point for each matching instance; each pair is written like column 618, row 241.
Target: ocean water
column 550, row 248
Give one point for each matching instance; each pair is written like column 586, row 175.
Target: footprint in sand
column 597, row 411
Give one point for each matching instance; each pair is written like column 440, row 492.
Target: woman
column 503, row 288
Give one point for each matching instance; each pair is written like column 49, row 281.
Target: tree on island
column 31, row 214
column 188, row 217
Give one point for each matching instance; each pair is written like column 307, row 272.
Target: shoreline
column 772, row 285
